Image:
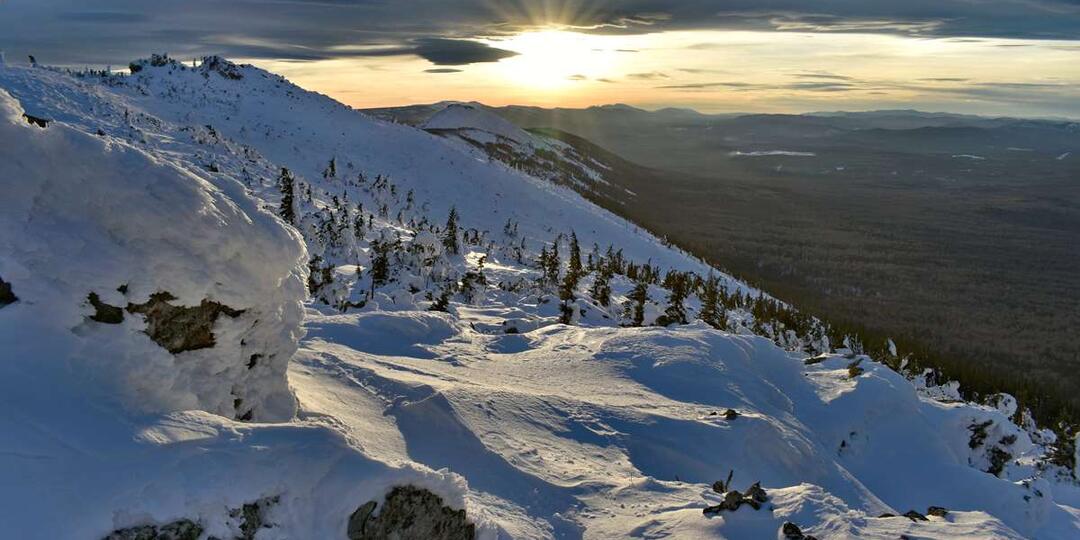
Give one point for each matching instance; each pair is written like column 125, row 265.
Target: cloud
column 648, row 76
column 115, row 31
column 822, row 75
column 457, row 52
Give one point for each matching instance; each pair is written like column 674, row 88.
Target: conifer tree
column 676, row 311
column 450, row 235
column 601, row 286
column 331, row 170
column 551, row 273
column 574, row 264
column 635, row 309
column 287, row 187
column 566, row 295
column 543, row 263
column 442, row 302
column 711, row 311
column 380, row 263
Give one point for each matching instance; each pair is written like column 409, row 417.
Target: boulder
column 181, row 328
column 7, row 296
column 915, row 516
column 183, row 529
column 409, row 513
column 937, row 511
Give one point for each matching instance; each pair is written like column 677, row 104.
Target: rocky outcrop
column 792, row 531
column 755, row 496
column 937, row 511
column 915, row 516
column 410, row 513
column 104, row 313
column 253, row 517
column 183, row 529
column 7, row 296
column 175, row 328
column 181, row 328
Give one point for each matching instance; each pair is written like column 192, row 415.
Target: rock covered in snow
column 134, row 223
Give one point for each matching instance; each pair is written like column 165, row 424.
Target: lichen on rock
column 410, row 512
column 183, row 529
column 181, row 328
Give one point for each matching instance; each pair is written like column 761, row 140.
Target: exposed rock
column 816, row 359
column 409, row 513
column 183, row 529
column 181, row 328
column 36, row 121
column 854, row 369
column 731, row 414
column 757, row 493
column 886, row 515
column 721, row 486
column 7, row 296
column 104, row 313
column 937, row 511
column 792, row 531
column 915, row 516
column 253, row 517
column 221, row 66
column 733, row 499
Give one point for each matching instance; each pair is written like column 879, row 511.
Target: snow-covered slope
column 167, row 181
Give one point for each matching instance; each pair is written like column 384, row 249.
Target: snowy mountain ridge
column 159, row 302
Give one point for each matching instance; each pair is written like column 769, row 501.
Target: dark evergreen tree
column 450, row 235
column 678, row 288
column 712, row 313
column 635, row 309
column 574, row 265
column 331, row 170
column 601, row 286
column 551, row 272
column 287, row 187
column 442, row 302
column 380, row 263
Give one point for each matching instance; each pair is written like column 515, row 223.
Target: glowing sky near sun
column 1006, row 57
column 720, row 71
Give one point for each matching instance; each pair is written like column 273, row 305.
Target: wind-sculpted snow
column 452, row 372
column 105, row 429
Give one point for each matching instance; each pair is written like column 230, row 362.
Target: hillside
column 958, row 236
column 233, row 308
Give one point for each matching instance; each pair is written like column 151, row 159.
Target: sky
column 994, row 57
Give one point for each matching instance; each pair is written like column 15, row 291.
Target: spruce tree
column 543, row 263
column 566, row 295
column 601, row 287
column 676, row 311
column 380, row 264
column 331, row 170
column 287, row 187
column 636, row 305
column 574, row 264
column 551, row 273
column 711, row 311
column 450, row 235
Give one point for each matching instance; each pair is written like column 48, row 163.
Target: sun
column 554, row 59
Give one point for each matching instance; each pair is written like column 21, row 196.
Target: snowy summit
column 233, row 308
